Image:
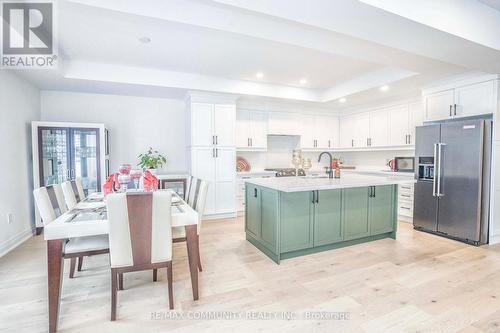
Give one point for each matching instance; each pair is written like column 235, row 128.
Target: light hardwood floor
column 417, row 283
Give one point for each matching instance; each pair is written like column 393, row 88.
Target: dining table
column 82, row 221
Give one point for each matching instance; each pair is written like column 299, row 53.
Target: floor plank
column 416, row 283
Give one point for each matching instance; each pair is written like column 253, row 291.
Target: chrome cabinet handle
column 450, row 109
column 352, row 142
column 435, row 173
column 213, row 139
column 409, row 139
column 329, row 144
column 251, row 142
column 455, row 109
column 216, row 139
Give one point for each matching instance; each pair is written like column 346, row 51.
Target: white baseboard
column 219, row 216
column 494, row 239
column 15, row 241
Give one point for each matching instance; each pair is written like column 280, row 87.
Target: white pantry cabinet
column 216, row 166
column 212, row 125
column 461, row 101
column 212, row 151
column 251, row 130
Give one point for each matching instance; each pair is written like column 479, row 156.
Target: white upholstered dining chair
column 191, row 189
column 198, row 191
column 79, row 188
column 50, row 205
column 140, row 237
column 69, row 195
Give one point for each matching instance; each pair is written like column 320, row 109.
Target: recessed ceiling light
column 259, row 75
column 303, row 81
column 384, row 88
column 145, row 39
column 343, row 100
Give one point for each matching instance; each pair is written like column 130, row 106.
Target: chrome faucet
column 329, row 171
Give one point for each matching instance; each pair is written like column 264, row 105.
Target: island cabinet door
column 253, row 212
column 382, row 209
column 355, row 212
column 296, row 210
column 327, row 217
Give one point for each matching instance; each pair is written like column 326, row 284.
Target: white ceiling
column 112, row 38
column 343, row 48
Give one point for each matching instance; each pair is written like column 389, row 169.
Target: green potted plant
column 151, row 160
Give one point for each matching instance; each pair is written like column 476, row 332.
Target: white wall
column 135, row 123
column 19, row 105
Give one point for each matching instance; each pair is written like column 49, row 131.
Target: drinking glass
column 124, row 179
column 125, row 169
column 136, row 175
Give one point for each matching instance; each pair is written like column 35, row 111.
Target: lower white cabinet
column 240, row 187
column 217, row 166
column 405, row 202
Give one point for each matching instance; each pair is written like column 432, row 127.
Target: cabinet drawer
column 405, row 210
column 405, row 196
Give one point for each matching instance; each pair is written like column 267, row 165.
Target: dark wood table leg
column 54, row 274
column 192, row 247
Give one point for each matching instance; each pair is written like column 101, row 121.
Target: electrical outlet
column 10, row 218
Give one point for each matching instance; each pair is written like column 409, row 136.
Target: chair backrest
column 45, row 205
column 188, row 187
column 201, row 199
column 140, row 230
column 56, row 189
column 193, row 191
column 69, row 195
column 78, row 188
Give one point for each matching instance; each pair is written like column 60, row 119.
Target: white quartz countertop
column 347, row 180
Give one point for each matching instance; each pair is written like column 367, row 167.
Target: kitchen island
column 294, row 216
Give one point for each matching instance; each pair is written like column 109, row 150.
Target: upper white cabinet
column 251, row 130
column 212, row 125
column 319, row 132
column 355, row 130
column 461, row 101
column 476, row 99
column 399, row 118
column 439, row 105
column 389, row 126
column 379, row 125
column 283, row 123
column 416, row 111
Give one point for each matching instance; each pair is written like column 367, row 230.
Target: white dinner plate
column 90, row 205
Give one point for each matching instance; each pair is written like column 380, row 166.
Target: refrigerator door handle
column 435, row 173
column 440, row 152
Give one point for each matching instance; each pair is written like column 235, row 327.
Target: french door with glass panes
column 67, row 154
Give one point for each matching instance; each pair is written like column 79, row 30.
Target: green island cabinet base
column 285, row 225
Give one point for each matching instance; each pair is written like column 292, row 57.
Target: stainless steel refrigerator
column 452, row 192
